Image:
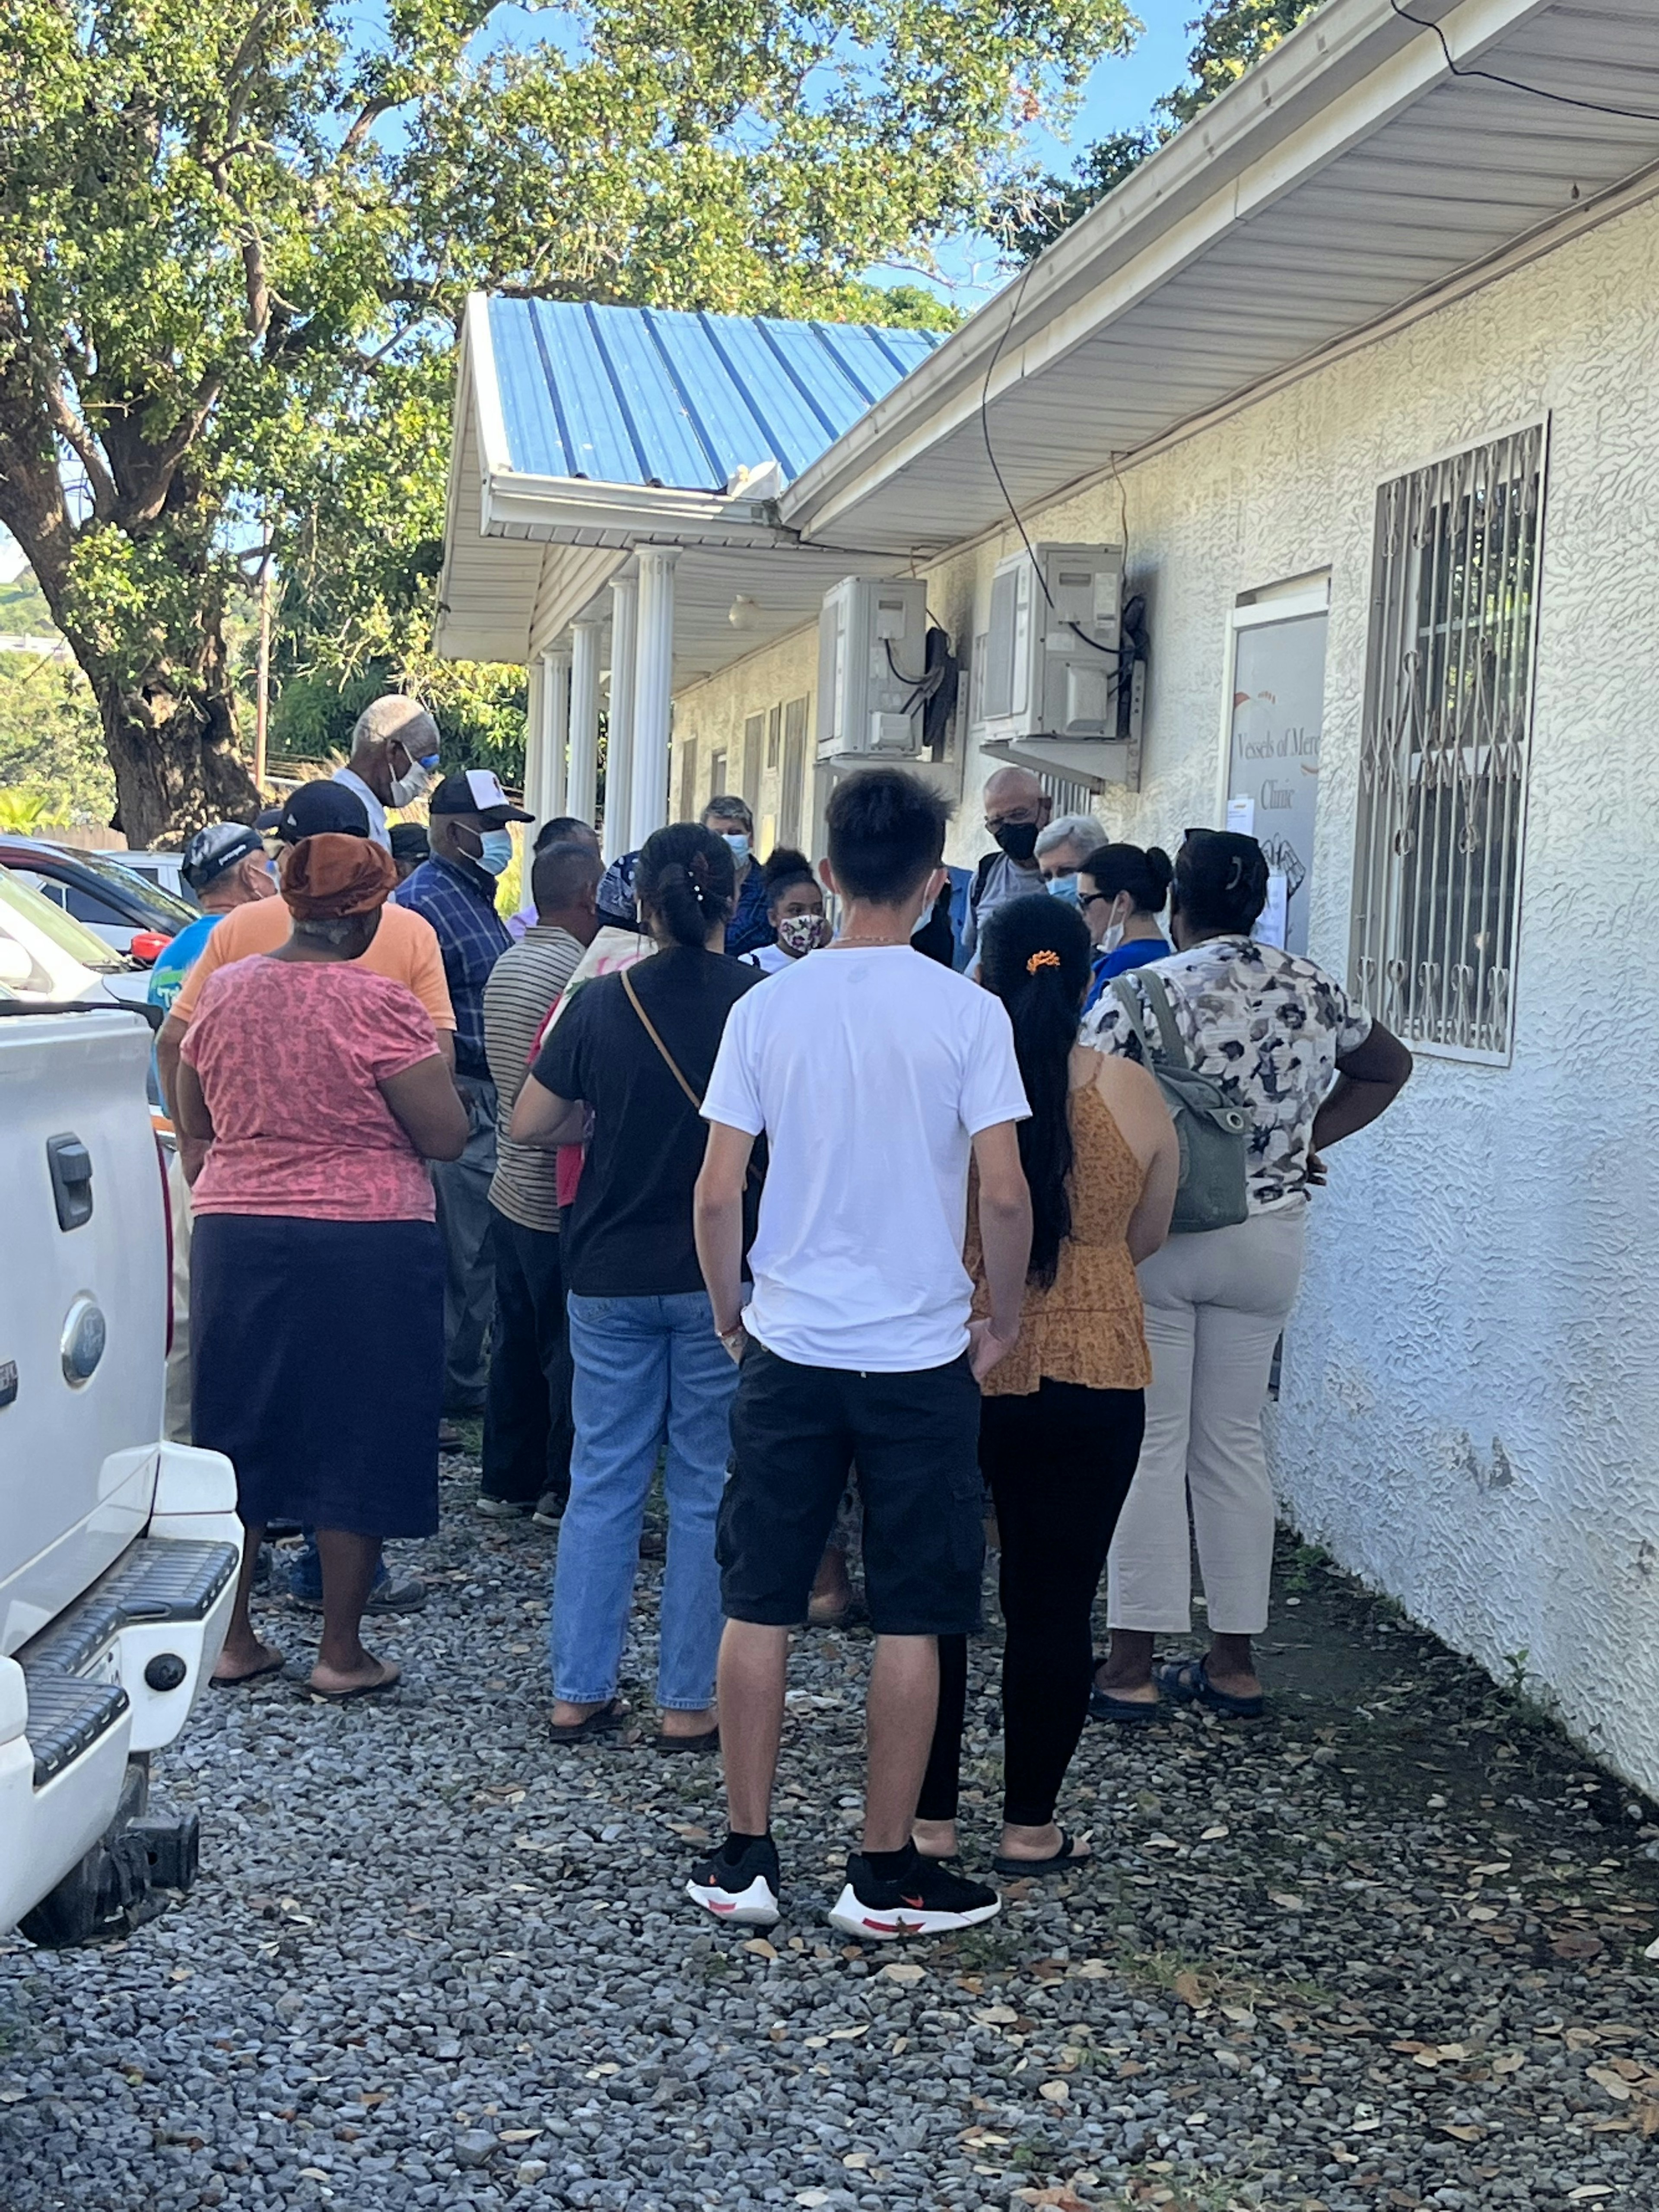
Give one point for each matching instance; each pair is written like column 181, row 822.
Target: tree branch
column 371, row 111
column 70, row 428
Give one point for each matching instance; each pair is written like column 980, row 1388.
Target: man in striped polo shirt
column 527, row 1427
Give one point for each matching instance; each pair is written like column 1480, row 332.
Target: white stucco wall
column 1470, row 1414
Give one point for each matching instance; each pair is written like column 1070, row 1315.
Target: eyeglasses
column 1088, row 898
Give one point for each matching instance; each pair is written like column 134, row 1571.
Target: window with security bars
column 1444, row 748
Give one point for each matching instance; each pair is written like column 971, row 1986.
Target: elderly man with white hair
column 1062, row 848
column 394, row 754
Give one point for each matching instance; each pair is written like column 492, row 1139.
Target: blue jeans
column 305, row 1577
column 648, row 1370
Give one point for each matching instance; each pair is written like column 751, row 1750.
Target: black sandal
column 1067, row 1860
column 601, row 1721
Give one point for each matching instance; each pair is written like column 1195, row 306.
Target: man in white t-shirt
column 874, row 1073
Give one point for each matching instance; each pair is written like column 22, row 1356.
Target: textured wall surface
column 1470, row 1414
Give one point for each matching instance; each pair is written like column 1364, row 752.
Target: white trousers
column 1215, row 1304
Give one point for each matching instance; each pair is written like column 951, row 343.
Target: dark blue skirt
column 317, row 1356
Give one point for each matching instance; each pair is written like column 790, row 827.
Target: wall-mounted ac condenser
column 873, row 669
column 1060, row 681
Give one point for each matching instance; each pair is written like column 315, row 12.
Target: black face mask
column 1016, row 839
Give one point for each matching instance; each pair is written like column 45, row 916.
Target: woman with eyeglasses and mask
column 1121, row 891
column 727, row 818
column 1308, row 1067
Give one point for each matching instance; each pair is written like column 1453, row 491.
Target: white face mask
column 1112, row 939
column 406, row 789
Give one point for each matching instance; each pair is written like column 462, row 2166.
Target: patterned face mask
column 800, row 933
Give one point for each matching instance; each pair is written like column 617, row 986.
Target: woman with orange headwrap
column 317, row 1300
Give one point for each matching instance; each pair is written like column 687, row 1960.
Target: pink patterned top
column 289, row 1056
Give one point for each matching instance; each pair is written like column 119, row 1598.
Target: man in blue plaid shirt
column 455, row 890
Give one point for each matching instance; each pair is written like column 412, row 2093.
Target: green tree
column 234, row 246
column 1231, row 34
column 51, row 739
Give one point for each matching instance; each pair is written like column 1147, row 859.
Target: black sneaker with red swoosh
column 744, row 1892
column 926, row 1899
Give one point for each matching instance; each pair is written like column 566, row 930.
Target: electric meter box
column 1052, row 656
column 872, row 663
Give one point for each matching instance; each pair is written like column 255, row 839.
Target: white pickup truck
column 117, row 1553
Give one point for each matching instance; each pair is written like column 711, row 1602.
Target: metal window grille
column 1443, row 774
column 717, row 773
column 773, row 728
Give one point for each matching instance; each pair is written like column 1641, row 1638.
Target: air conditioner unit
column 1061, row 681
column 873, row 669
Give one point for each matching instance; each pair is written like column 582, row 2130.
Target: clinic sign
column 1272, row 767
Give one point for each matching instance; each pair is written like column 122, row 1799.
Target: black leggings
column 1060, row 1463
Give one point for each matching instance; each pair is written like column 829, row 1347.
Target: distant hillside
column 23, row 609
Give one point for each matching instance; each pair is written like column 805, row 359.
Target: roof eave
column 570, row 510
column 1177, row 201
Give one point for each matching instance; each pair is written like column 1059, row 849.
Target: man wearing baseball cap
column 223, row 865
column 472, row 846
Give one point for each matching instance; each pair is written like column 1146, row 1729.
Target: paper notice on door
column 1270, row 928
column 1241, row 817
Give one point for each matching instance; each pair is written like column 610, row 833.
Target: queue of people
column 673, row 1176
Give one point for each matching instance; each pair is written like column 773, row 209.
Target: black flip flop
column 240, row 1682
column 599, row 1722
column 709, row 1741
column 1065, row 1860
column 350, row 1696
column 1188, row 1681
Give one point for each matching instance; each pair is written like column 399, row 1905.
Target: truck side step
column 157, row 1579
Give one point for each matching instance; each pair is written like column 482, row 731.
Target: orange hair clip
column 1043, row 959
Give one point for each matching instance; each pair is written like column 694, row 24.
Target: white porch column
column 619, row 730
column 534, row 747
column 582, row 793
column 555, row 732
column 653, row 691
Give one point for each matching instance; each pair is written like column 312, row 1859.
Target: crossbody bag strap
column 1124, row 992
column 669, row 1061
column 1175, row 1048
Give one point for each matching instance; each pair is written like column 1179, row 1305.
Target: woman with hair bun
column 1307, row 1066
column 633, row 1051
column 1060, row 1423
column 794, row 912
column 1121, row 890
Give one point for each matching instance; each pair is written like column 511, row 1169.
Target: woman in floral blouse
column 1308, row 1068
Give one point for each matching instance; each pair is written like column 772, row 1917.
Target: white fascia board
column 560, row 508
column 1339, row 77
column 495, row 456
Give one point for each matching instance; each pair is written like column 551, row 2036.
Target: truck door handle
column 70, row 1165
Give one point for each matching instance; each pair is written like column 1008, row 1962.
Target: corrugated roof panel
column 647, row 395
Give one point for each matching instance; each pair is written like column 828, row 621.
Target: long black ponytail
column 686, row 875
column 1037, row 959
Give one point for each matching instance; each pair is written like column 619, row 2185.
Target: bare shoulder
column 1132, row 1099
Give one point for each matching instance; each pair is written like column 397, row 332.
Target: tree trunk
column 173, row 747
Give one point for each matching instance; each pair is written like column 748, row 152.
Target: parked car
column 48, row 958
column 127, row 910
column 167, row 869
column 118, row 1554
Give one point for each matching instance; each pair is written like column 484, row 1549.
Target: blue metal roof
column 645, row 396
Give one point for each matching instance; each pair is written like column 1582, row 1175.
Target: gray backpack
column 1212, row 1132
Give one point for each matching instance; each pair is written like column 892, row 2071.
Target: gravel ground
column 1383, row 1950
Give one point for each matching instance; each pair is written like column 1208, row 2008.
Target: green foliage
column 234, row 245
column 479, row 709
column 1232, row 35
column 23, row 609
column 51, row 741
